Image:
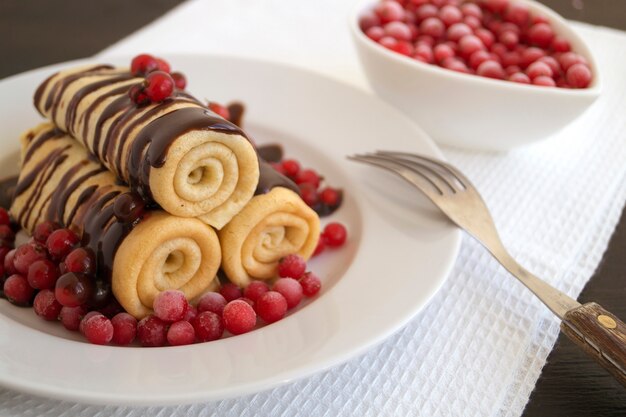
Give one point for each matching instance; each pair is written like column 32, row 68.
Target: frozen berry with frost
column 230, row 291
column 290, row 289
column 46, row 306
column 71, row 316
column 389, row 11
column 124, row 329
column 212, row 301
column 271, row 306
column 255, row 289
column 170, row 305
column 9, row 266
column 540, row 34
column 26, row 254
column 537, row 69
column 152, row 331
column 87, row 316
column 519, row 77
column 292, row 266
column 191, row 313
column 60, row 243
column 181, row 333
column 432, row 26
column 208, row 326
column 491, row 69
column 98, row 329
column 368, row 19
column 544, row 81
column 43, row 230
column 239, row 317
column 42, row 274
column 17, row 290
column 578, row 75
column 311, row 284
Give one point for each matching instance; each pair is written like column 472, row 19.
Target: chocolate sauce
column 54, row 97
column 7, row 188
column 150, row 146
column 39, row 92
column 86, row 116
column 271, row 152
column 36, row 142
column 114, row 108
column 72, row 107
column 236, row 111
column 270, row 178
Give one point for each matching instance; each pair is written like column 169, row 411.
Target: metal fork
column 598, row 332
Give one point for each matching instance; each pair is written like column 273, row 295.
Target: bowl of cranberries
column 478, row 74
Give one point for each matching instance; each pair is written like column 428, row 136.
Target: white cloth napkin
column 478, row 348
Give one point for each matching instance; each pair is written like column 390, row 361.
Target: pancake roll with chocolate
column 177, row 153
column 275, row 223
column 138, row 253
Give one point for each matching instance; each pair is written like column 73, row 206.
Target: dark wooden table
column 40, row 32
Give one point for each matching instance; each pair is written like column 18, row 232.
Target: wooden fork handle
column 601, row 335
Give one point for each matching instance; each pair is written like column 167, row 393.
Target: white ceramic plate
column 399, row 252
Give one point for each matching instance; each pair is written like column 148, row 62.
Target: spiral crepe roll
column 177, row 153
column 141, row 256
column 275, row 223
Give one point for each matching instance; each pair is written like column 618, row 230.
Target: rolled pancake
column 140, row 257
column 271, row 226
column 177, row 153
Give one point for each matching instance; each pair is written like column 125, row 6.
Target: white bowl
column 469, row 111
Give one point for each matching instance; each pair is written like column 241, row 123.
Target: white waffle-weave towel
column 478, row 348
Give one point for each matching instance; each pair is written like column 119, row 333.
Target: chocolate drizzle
column 270, row 178
column 54, row 97
column 36, row 142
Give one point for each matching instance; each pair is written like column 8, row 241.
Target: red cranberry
column 330, row 196
column 9, row 266
column 560, row 44
column 450, row 15
column 163, row 65
column 531, row 55
column 578, row 76
column 309, row 194
column 191, row 313
column 170, row 305
column 17, row 290
column 271, row 306
column 470, row 44
column 454, row 64
column 544, row 81
column 181, row 333
column 552, row 63
column 46, row 306
column 457, row 31
column 335, row 234
column 389, row 11
column 239, row 317
column 4, row 250
column 158, row 86
column 80, row 260
column 73, row 289
column 81, row 326
column 537, row 69
column 152, row 331
column 442, row 52
column 311, row 284
column 425, row 39
column 478, row 58
column 472, row 22
column 425, row 11
column 255, row 289
column 509, row 39
column 485, row 36
column 540, row 34
column 321, row 246
column 4, row 217
column 308, row 176
column 143, row 64
column 291, row 289
column 137, row 94
column 128, row 207
column 6, row 233
column 388, row 42
column 517, row 13
column 404, row 48
column 398, row 30
column 570, row 58
column 432, row 26
column 124, row 329
column 60, row 243
column 98, row 329
column 71, row 317
column 424, row 53
column 42, row 274
column 180, row 81
column 519, row 77
column 471, row 9
column 375, row 33
column 495, row 6
column 212, row 301
column 368, row 19
column 208, row 326
column 512, row 69
column 292, row 266
column 230, row 292
column 491, row 69
column 43, row 230
column 26, row 254
column 219, row 109
column 291, row 167
column 247, row 300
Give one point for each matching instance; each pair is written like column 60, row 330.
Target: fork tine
column 447, row 168
column 414, row 177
